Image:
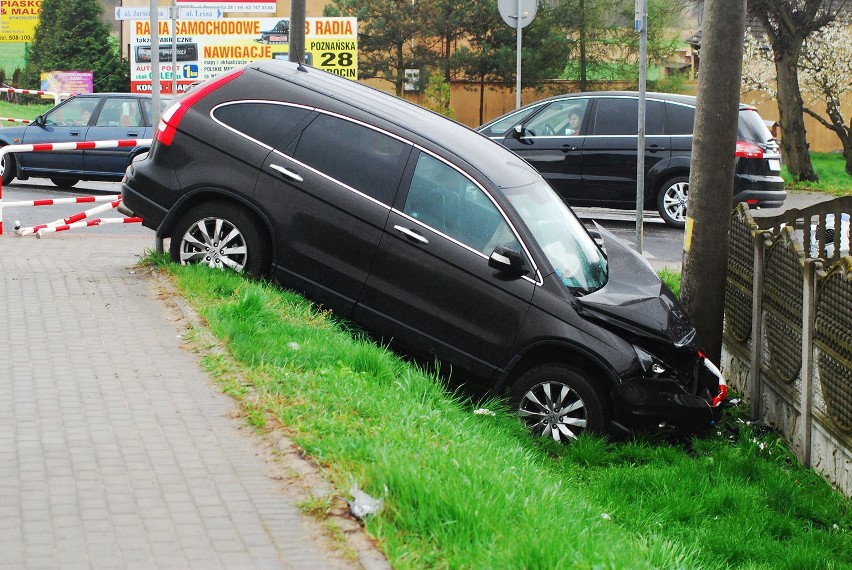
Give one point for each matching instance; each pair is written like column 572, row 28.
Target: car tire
column 671, row 201
column 64, row 183
column 197, row 236
column 7, row 168
column 559, row 401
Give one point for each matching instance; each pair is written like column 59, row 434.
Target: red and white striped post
column 113, row 203
column 11, row 120
column 47, row 147
column 87, row 224
column 56, row 96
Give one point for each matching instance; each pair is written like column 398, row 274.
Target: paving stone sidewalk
column 116, row 450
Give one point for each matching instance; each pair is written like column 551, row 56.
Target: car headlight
column 649, row 362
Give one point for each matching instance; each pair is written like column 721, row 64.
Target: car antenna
column 301, row 60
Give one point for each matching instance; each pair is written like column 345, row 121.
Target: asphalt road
column 43, row 189
column 663, row 245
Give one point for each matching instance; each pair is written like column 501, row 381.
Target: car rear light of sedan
column 748, row 150
column 172, row 116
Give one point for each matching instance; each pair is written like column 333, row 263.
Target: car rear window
column 266, row 122
column 752, row 128
column 681, row 119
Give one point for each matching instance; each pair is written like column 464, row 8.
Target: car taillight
column 748, row 150
column 172, row 116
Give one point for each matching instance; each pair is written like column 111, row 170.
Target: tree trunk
column 583, row 77
column 400, row 70
column 794, row 140
column 481, row 97
column 847, row 154
column 711, row 179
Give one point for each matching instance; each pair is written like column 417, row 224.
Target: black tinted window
column 362, row 158
column 621, row 117
column 445, row 200
column 265, row 122
column 752, row 127
column 681, row 119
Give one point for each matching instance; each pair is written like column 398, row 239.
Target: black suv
column 430, row 236
column 584, row 144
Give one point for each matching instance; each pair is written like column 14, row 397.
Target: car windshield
column 502, row 126
column 575, row 257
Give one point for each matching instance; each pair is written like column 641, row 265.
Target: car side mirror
column 39, row 121
column 508, row 261
column 518, row 132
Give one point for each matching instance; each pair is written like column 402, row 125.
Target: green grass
column 672, row 279
column 17, row 111
column 466, row 490
column 831, row 169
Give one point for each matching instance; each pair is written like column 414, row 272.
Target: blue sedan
column 89, row 117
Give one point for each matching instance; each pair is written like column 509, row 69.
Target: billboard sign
column 18, row 19
column 67, row 81
column 207, row 48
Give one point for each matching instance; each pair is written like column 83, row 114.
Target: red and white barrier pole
column 58, row 201
column 86, row 224
column 56, row 96
column 71, row 219
column 10, row 120
column 47, row 147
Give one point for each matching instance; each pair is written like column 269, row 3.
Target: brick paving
column 116, row 450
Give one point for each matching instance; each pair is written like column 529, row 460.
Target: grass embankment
column 831, row 169
column 466, row 490
column 16, row 111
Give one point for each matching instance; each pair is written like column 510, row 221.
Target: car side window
column 266, row 122
column 447, row 201
column 360, row 157
column 560, row 118
column 73, row 113
column 681, row 119
column 148, row 106
column 620, row 116
column 119, row 112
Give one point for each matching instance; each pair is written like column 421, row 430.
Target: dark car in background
column 584, row 144
column 428, row 235
column 89, row 117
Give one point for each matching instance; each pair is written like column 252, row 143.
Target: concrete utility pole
column 711, row 179
column 297, row 31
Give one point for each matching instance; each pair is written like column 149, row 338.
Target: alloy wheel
column 554, row 409
column 214, row 242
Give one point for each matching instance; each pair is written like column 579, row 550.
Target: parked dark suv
column 430, row 236
column 584, row 144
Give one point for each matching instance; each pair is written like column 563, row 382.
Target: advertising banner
column 67, row 81
column 18, row 19
column 207, row 48
column 232, row 5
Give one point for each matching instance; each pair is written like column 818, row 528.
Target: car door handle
column 655, row 148
column 133, row 134
column 567, row 148
column 287, row 172
column 411, row 234
column 74, row 133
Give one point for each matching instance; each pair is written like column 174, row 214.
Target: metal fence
column 788, row 329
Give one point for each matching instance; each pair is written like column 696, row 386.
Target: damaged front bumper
column 669, row 406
